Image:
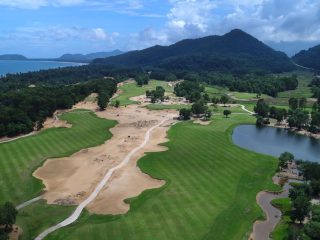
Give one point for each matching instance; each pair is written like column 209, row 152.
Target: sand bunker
column 70, row 180
column 55, row 122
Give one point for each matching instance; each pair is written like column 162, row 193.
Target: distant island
column 87, row 57
column 79, row 58
column 13, row 57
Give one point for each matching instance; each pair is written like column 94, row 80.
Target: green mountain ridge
column 309, row 58
column 234, row 51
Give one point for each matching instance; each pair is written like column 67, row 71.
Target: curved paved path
column 27, row 203
column 16, row 138
column 76, row 214
column 246, row 110
column 263, row 229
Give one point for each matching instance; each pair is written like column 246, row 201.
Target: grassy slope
column 210, row 190
column 132, row 89
column 281, row 230
column 19, row 159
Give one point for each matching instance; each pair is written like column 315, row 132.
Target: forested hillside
column 309, row 58
column 235, row 51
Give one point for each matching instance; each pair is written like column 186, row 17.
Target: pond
column 274, row 141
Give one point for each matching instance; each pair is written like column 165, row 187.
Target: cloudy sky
column 49, row 28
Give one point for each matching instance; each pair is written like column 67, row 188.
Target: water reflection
column 274, row 141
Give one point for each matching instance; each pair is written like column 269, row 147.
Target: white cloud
column 38, row 34
column 268, row 20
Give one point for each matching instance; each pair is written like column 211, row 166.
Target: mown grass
column 282, row 229
column 215, row 91
column 18, row 159
column 210, row 190
column 132, row 89
column 164, row 107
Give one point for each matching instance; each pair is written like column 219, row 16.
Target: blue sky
column 49, row 28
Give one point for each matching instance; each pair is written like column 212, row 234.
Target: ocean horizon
column 23, row 66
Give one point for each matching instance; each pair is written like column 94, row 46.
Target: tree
column 312, row 230
column 293, row 103
column 224, row 99
column 171, row 77
column 157, row 94
column 215, row 100
column 262, row 108
column 315, row 121
column 302, row 103
column 8, row 214
column 206, row 98
column 301, row 207
column 117, row 104
column 207, row 114
column 259, row 121
column 285, row 158
column 226, row 113
column 298, row 119
column 103, row 100
column 185, row 114
column 142, row 79
column 199, row 107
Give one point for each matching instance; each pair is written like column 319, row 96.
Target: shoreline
column 296, row 131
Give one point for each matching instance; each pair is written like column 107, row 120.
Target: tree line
column 243, row 82
column 26, row 109
column 296, row 116
column 300, row 197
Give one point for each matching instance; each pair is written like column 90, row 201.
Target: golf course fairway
column 210, row 191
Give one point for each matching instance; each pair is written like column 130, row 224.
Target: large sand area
column 70, row 180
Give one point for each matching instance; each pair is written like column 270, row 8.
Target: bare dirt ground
column 68, row 181
column 16, row 233
column 143, row 100
column 55, row 122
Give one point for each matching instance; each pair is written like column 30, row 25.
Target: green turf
column 39, row 216
column 246, row 96
column 164, row 107
column 281, row 230
column 132, row 89
column 215, row 91
column 18, row 159
column 210, row 190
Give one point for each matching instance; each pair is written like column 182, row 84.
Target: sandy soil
column 16, row 232
column 201, row 122
column 70, row 180
column 143, row 100
column 55, row 122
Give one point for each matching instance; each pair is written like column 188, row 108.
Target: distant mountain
column 234, row 51
column 88, row 57
column 309, row 58
column 12, row 57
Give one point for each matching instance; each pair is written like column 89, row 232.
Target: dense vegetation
column 234, row 52
column 8, row 215
column 308, row 58
column 300, row 206
column 296, row 117
column 252, row 83
column 156, row 95
column 25, row 110
column 63, row 76
column 192, row 91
